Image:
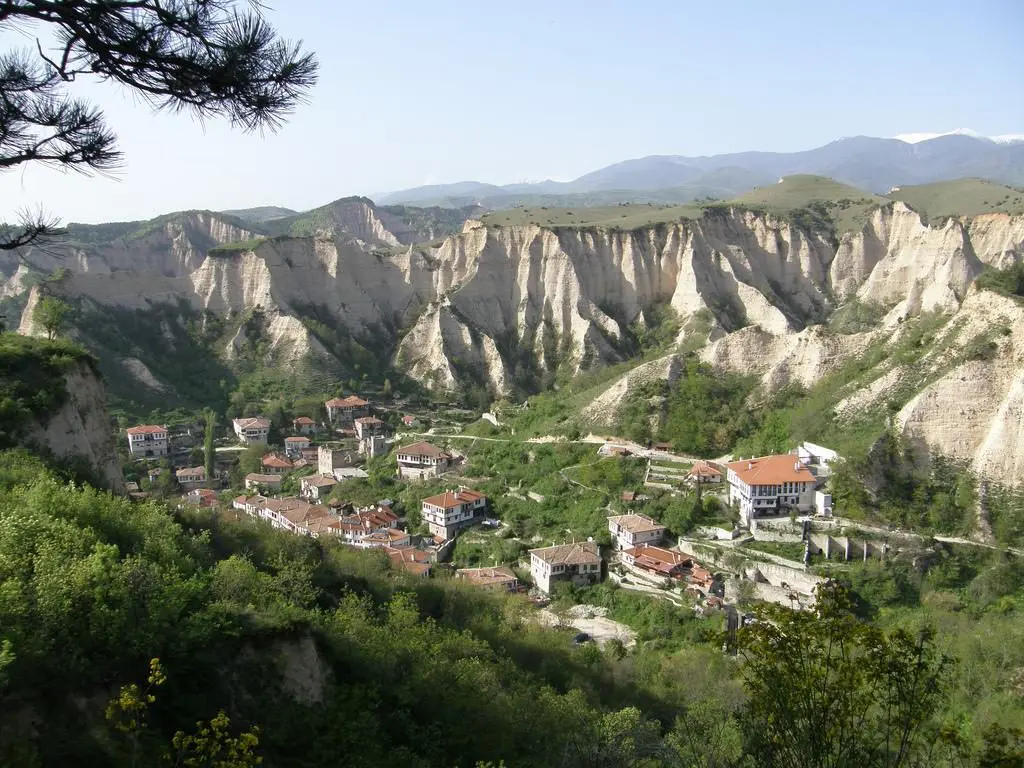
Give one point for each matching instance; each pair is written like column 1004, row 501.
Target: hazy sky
column 417, row 93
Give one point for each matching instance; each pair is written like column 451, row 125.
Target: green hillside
column 963, row 197
column 823, row 198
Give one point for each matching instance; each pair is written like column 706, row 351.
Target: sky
column 415, row 93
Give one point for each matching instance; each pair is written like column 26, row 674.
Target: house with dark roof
column 422, row 460
column 579, row 563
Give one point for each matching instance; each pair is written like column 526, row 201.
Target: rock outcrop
column 490, row 302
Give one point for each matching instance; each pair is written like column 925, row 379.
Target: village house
column 373, row 445
column 303, row 425
column 345, row 410
column 147, row 441
column 630, row 530
column 410, row 421
column 411, row 559
column 579, row 563
column 255, row 480
column 290, row 513
column 190, row 477
column 445, row 513
column 253, row 430
column 273, row 464
column 387, row 537
column 498, row 578
column 317, row 487
column 356, row 527
column 770, row 485
column 331, row 459
column 658, row 561
column 421, row 460
column 294, row 446
column 816, row 458
column 705, row 472
column 367, row 426
column 201, row 497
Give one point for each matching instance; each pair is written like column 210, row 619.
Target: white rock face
column 81, row 428
column 487, row 295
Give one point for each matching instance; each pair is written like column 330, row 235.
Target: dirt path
column 600, row 628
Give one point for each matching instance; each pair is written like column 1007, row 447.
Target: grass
column 845, row 206
column 791, row 550
column 625, row 216
column 962, row 197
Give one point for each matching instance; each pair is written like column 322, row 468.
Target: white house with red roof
column 147, row 441
column 445, row 513
column 346, row 409
column 273, row 464
column 770, row 485
column 303, row 425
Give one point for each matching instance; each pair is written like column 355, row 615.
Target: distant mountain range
column 869, row 163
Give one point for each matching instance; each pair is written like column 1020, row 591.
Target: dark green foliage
column 1008, row 281
column 32, row 381
column 809, row 674
column 705, row 411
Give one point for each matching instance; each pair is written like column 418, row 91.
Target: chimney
column 750, row 465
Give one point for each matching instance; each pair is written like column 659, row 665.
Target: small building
column 373, row 445
column 273, row 464
column 201, row 497
column 191, row 477
column 256, row 480
column 628, row 497
column 823, row 503
column 630, row 530
column 421, row 460
column 303, row 425
column 294, row 446
column 445, row 513
column 367, row 426
column 387, row 537
column 317, row 487
column 345, row 410
column 411, row 559
column 579, row 563
column 663, row 447
column 705, row 472
column 498, row 578
column 816, row 458
column 251, row 430
column 770, row 485
column 410, row 421
column 658, row 561
column 330, row 459
column 611, row 449
column 147, row 441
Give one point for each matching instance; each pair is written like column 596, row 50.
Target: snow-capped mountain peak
column 915, row 138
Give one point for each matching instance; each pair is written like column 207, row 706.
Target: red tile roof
column 352, row 401
column 297, row 440
column 581, row 553
column 451, row 499
column 486, row 577
column 319, row 481
column 636, row 523
column 705, row 469
column 423, row 449
column 270, row 460
column 304, row 420
column 145, row 429
column 772, row 470
column 658, row 559
column 368, row 420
